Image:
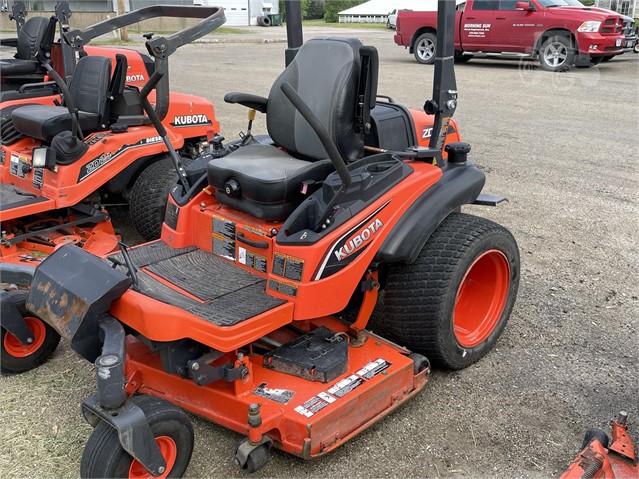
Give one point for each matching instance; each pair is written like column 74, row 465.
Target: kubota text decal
column 351, row 245
column 183, row 121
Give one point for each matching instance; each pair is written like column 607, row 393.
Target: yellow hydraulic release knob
column 252, row 114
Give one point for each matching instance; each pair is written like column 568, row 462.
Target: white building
column 376, row 11
column 624, row 7
column 242, row 12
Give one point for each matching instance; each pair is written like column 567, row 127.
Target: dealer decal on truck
column 183, row 121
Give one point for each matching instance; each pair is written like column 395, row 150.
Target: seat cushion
column 270, row 180
column 14, row 67
column 45, row 122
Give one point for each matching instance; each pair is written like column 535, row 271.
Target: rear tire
column 104, row 457
column 453, row 303
column 149, row 195
column 424, row 48
column 556, row 54
column 17, row 357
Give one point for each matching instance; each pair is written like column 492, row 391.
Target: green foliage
column 333, row 7
column 315, row 10
column 305, row 5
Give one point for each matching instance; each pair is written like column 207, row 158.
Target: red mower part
column 481, row 298
column 169, row 452
column 15, row 348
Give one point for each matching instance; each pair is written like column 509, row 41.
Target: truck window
column 486, row 5
column 507, row 4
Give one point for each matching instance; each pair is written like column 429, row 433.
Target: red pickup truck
column 559, row 33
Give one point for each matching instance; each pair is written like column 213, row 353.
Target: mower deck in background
column 59, row 165
column 252, row 309
column 600, row 459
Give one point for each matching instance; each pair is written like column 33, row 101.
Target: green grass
column 322, row 23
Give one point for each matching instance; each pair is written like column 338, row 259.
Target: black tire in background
column 18, row 358
column 424, row 48
column 103, row 455
column 264, row 21
column 467, row 273
column 147, row 205
column 562, row 47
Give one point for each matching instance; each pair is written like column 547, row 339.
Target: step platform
column 201, row 283
column 13, row 197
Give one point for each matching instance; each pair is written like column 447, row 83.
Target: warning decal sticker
column 342, row 388
column 278, row 395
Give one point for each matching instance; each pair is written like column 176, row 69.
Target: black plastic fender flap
column 71, row 289
column 459, row 185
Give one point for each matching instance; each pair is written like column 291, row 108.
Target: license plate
column 631, row 43
column 618, row 42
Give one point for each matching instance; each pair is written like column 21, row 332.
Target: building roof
column 384, row 7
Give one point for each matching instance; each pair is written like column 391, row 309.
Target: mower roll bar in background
column 293, row 29
column 159, row 47
column 18, row 13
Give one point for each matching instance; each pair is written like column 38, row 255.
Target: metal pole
column 293, row 28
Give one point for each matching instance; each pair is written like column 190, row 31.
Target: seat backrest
column 337, row 79
column 30, row 38
column 89, row 86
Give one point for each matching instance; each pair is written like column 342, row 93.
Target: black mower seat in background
column 29, row 41
column 327, row 73
column 89, row 91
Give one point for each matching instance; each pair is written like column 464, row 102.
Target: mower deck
column 302, row 417
column 183, row 278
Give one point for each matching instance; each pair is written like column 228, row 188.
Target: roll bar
column 18, row 13
column 160, row 48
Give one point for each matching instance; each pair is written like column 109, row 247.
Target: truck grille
column 612, row 26
column 629, row 28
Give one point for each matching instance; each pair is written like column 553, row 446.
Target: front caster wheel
column 252, row 457
column 104, row 457
column 19, row 358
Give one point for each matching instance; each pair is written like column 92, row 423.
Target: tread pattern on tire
column 413, row 323
column 148, row 198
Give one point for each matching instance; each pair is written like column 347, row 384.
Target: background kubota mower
column 236, row 314
column 59, row 163
column 600, row 459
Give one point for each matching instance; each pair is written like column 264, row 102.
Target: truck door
column 513, row 30
column 477, row 25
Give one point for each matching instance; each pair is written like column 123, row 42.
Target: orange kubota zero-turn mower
column 240, row 313
column 600, row 459
column 61, row 164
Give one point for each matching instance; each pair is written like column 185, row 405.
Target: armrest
column 9, row 42
column 250, row 101
column 42, row 84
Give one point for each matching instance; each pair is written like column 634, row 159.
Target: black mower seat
column 45, row 122
column 89, row 92
column 31, row 37
column 269, row 179
column 331, row 75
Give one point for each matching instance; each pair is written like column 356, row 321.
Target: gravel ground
column 563, row 148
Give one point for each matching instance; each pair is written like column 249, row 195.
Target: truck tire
column 424, row 49
column 453, row 303
column 149, row 194
column 556, row 54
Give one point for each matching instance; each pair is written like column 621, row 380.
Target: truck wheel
column 149, row 194
column 19, row 358
column 556, row 54
column 424, row 49
column 104, row 457
column 453, row 303
column 461, row 58
column 636, row 48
